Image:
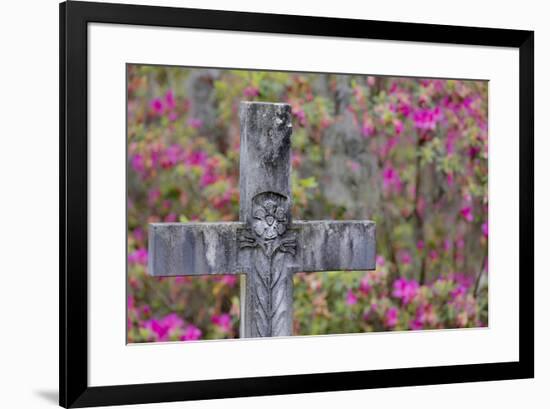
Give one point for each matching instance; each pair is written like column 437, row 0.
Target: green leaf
column 308, row 183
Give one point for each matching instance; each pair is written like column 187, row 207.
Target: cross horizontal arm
column 326, row 245
column 177, row 249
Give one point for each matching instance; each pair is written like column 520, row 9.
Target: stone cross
column 266, row 245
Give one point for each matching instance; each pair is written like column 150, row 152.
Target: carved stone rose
column 269, row 220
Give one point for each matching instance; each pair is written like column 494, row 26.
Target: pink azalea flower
column 196, row 158
column 380, row 261
column 222, row 321
column 171, row 218
column 351, row 298
column 153, row 196
column 425, row 314
column 164, row 327
column 458, row 291
column 389, row 145
column 208, row 178
column 138, row 163
column 138, row 256
column 405, row 257
column 398, row 125
column 368, row 128
column 427, row 119
column 229, row 280
column 195, row 123
column 251, row 91
column 391, row 179
column 416, row 324
column 467, row 214
column 450, row 179
column 364, row 285
column 390, row 319
column 170, row 99
column 404, row 289
column 171, row 156
column 404, row 108
column 485, row 229
column 473, row 151
column 146, row 310
column 138, row 234
column 301, row 115
column 157, row 106
column 191, row 333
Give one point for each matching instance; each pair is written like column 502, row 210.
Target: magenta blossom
column 157, row 106
column 138, row 163
column 405, row 289
column 251, row 91
column 390, row 320
column 485, row 229
column 170, row 99
column 138, row 256
column 191, row 333
column 301, row 115
column 391, row 179
column 427, row 118
column 165, row 327
column 227, row 279
column 459, row 291
column 405, row 257
column 195, row 123
column 222, row 321
column 364, row 285
column 208, row 178
column 351, row 298
column 368, row 128
column 398, row 125
column 416, row 324
column 196, row 158
column 171, row 218
column 467, row 214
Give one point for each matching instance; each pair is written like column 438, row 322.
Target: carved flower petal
column 280, row 214
column 259, row 213
column 259, row 228
column 270, row 206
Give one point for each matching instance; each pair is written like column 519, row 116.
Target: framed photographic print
column 258, row 204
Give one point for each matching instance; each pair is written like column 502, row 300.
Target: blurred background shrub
column 409, row 153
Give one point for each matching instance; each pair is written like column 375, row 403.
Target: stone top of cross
column 266, row 244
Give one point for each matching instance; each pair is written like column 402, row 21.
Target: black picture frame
column 74, row 17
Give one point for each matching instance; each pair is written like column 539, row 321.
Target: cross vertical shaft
column 265, row 198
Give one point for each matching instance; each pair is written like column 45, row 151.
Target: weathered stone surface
column 265, row 152
column 325, row 245
column 193, row 248
column 265, row 207
column 265, row 245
